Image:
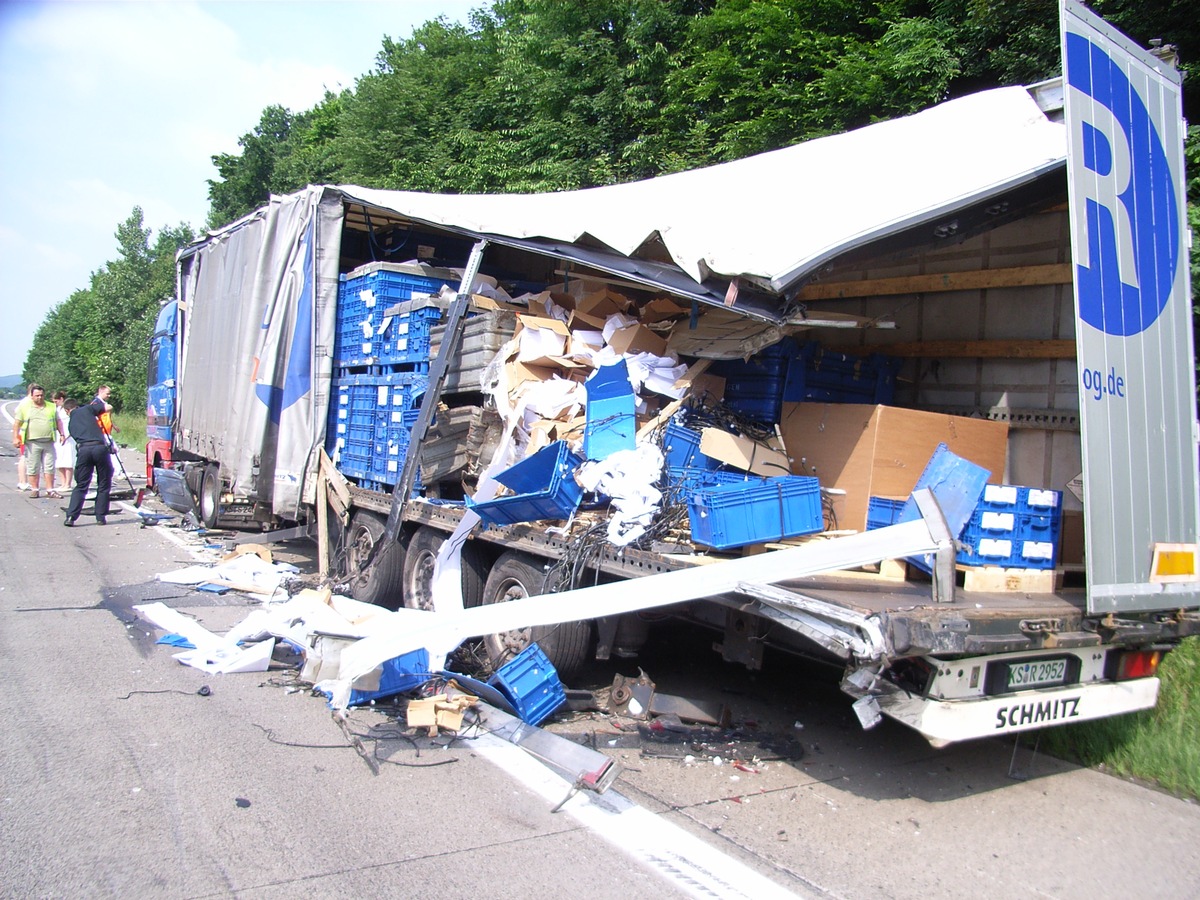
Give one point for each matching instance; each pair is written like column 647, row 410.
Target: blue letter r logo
column 1130, row 208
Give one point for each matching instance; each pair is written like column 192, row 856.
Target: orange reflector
column 1175, row 562
column 1137, row 664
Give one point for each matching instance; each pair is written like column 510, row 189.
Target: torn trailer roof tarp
column 775, row 218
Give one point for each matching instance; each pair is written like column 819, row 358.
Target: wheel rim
column 208, row 497
column 504, row 645
column 421, row 590
column 361, row 545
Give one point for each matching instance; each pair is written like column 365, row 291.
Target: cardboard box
column 662, row 308
column 880, row 451
column 743, row 453
column 638, row 339
column 540, row 341
column 601, row 304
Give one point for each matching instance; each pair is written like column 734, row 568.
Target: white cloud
column 109, row 105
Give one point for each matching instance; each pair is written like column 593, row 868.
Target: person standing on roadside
column 36, row 427
column 106, row 420
column 22, row 477
column 91, row 455
column 64, row 451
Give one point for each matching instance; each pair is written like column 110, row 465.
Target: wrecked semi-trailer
column 742, row 373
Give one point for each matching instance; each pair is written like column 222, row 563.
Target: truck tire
column 210, row 497
column 566, row 645
column 418, row 570
column 382, row 583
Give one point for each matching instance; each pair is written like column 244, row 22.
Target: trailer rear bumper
column 944, row 722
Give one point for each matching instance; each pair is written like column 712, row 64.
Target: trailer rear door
column 1133, row 315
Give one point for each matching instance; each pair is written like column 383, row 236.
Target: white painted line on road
column 695, row 867
column 199, row 553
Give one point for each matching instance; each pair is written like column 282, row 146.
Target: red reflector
column 1138, row 664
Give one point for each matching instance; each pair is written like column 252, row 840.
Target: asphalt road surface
column 117, row 778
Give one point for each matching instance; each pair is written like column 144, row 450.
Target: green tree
column 100, row 335
column 283, row 153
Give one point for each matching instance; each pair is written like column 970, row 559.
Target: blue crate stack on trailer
column 386, row 313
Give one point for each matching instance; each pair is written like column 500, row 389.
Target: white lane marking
column 185, row 541
column 695, row 867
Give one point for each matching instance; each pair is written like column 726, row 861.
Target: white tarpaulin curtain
column 770, row 215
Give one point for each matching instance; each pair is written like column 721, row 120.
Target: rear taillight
column 1128, row 664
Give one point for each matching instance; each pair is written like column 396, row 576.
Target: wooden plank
column 322, row 523
column 335, row 478
column 996, row 349
column 995, row 580
column 1023, row 276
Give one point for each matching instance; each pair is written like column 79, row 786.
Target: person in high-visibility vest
column 105, row 418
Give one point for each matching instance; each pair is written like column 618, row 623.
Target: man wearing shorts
column 36, row 426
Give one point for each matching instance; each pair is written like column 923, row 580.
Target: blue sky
column 109, row 105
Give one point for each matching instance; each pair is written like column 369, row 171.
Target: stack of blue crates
column 380, row 368
column 1013, row 527
column 405, row 332
column 354, row 425
column 754, row 386
column 364, row 296
column 825, row 376
column 758, row 387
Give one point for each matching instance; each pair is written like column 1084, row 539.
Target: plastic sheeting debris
column 627, row 477
column 248, row 573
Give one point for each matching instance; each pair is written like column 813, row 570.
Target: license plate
column 1035, row 673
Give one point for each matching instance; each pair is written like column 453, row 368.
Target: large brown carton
column 880, row 451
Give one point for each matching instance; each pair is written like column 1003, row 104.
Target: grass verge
column 1160, row 745
column 133, row 429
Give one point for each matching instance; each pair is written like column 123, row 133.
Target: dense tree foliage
column 539, row 95
column 100, row 334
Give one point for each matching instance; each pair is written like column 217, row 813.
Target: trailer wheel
column 210, row 497
column 382, row 583
column 566, row 645
column 418, row 570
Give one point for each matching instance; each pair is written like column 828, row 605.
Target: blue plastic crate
column 686, row 479
column 1019, row 499
column 681, row 449
column 754, row 387
column 818, row 375
column 1010, row 552
column 377, row 283
column 530, row 682
column 399, row 674
column 354, row 341
column 543, row 485
column 751, row 512
column 882, row 512
column 405, row 332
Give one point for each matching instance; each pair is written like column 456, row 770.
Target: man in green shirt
column 35, row 426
